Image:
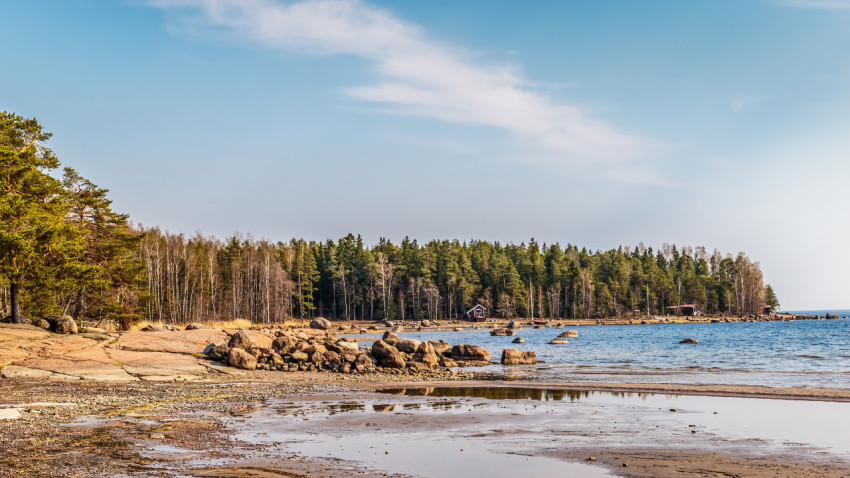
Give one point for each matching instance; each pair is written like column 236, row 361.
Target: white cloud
column 818, row 4
column 741, row 103
column 418, row 76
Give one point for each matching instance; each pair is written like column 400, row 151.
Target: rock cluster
column 294, row 350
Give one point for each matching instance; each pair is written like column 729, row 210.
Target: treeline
column 203, row 278
column 63, row 250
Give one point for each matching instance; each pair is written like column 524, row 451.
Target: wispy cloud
column 418, row 76
column 739, row 104
column 818, row 4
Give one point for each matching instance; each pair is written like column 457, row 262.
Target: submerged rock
column 569, row 334
column 689, row 341
column 502, row 332
column 558, row 341
column 515, row 357
column 518, row 340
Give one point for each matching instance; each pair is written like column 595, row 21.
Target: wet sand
column 306, row 424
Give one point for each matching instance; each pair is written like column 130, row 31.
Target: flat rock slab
column 16, row 371
column 178, row 342
column 81, row 368
column 160, row 366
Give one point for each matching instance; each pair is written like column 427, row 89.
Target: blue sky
column 717, row 123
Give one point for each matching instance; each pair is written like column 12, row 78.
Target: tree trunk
column 15, row 293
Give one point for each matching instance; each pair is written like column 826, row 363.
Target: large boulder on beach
column 516, row 357
column 689, row 341
column 390, row 337
column 240, row 340
column 502, row 332
column 558, row 341
column 216, row 352
column 397, row 329
column 425, row 323
column 241, row 359
column 440, row 346
column 425, row 354
column 62, row 325
column 514, row 325
column 569, row 334
column 320, row 323
column 407, row 345
column 466, row 352
column 387, row 355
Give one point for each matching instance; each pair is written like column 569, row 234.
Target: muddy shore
column 147, row 404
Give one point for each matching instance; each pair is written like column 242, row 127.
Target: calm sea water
column 800, row 353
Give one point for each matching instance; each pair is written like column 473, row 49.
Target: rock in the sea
column 502, row 332
column 241, row 359
column 515, row 357
column 569, row 334
column 196, row 326
column 407, row 345
column 425, row 354
column 518, row 340
column 689, row 341
column 63, row 325
column 466, row 352
column 558, row 341
column 240, row 340
column 320, row 323
column 387, row 355
column 514, row 325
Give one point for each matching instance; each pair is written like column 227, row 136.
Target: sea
column 798, row 353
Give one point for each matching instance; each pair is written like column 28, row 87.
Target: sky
column 720, row 124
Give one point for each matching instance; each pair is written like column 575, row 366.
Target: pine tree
column 40, row 251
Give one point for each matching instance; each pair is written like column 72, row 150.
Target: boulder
column 283, row 344
column 502, row 332
column 447, row 362
column 320, row 323
column 466, row 352
column 331, row 356
column 63, row 325
column 387, row 355
column 425, row 354
column 390, row 337
column 514, row 325
column 558, row 341
column 440, row 346
column 425, row 323
column 518, row 340
column 153, row 328
column 300, row 356
column 216, row 352
column 398, row 329
column 515, row 357
column 407, row 345
column 42, row 324
column 196, row 326
column 241, row 359
column 417, row 367
column 345, row 346
column 240, row 340
column 689, row 341
column 569, row 334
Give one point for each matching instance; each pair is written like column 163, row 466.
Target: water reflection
column 505, row 393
